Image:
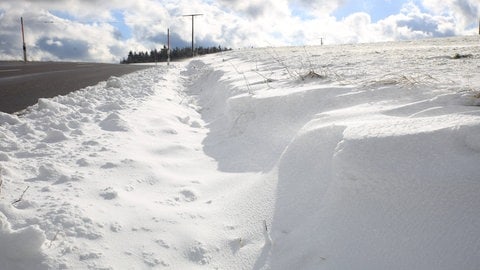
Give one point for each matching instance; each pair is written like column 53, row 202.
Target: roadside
column 22, row 84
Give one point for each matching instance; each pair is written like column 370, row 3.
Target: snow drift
column 334, row 157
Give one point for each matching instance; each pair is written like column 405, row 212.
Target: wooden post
column 23, row 40
column 193, row 29
column 168, row 46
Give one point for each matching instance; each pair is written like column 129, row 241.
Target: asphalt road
column 22, row 84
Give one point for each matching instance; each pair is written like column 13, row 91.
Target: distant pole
column 193, row 38
column 193, row 30
column 23, row 40
column 168, row 46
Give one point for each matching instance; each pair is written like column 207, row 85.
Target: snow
column 334, row 157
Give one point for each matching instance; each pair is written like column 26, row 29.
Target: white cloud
column 90, row 33
column 469, row 9
column 319, row 6
column 412, row 23
column 464, row 12
column 44, row 32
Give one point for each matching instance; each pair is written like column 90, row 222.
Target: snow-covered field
column 335, row 157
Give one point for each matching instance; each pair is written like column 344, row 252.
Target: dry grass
column 1, row 180
column 403, row 80
column 21, row 196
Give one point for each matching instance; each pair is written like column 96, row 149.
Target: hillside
column 334, row 157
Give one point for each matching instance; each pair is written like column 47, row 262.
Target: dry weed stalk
column 244, row 78
column 404, row 80
column 53, row 239
column 1, row 180
column 21, row 196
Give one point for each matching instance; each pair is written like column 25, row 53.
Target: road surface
column 22, row 84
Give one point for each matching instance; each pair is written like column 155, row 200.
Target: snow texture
column 334, row 157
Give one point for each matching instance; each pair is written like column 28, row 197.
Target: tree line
column 162, row 54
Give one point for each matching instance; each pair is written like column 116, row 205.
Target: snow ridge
column 348, row 157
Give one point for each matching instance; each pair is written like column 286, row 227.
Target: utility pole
column 193, row 30
column 168, row 47
column 23, row 40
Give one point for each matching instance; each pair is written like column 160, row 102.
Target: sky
column 105, row 31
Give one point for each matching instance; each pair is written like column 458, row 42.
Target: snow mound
column 8, row 118
column 114, row 82
column 21, row 249
column 51, row 105
column 372, row 168
column 197, row 253
column 8, row 142
column 53, row 173
column 114, row 122
column 54, row 136
column 109, row 193
column 350, row 175
column 4, row 157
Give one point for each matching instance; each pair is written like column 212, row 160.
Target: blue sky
column 106, row 30
column 119, row 23
column 117, row 20
column 377, row 9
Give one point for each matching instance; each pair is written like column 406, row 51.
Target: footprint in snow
column 170, row 131
column 115, row 227
column 195, row 124
column 149, row 258
column 198, row 254
column 236, row 244
column 184, row 120
column 82, row 162
column 90, row 256
column 109, row 165
column 77, row 132
column 188, row 195
column 162, row 243
column 90, row 143
column 109, row 193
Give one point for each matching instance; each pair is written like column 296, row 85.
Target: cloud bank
column 104, row 31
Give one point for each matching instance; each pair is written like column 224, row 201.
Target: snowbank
column 377, row 171
column 20, row 249
column 346, row 157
